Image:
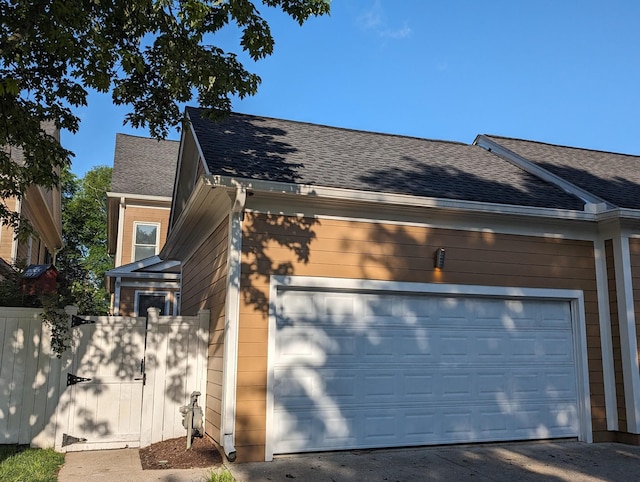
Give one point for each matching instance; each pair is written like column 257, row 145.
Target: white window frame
column 133, row 239
column 176, row 303
column 136, row 303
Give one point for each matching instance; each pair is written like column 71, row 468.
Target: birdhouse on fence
column 39, row 279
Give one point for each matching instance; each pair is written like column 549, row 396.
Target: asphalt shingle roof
column 610, row 176
column 144, row 166
column 264, row 148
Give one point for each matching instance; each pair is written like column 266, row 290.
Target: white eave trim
column 593, row 203
column 153, row 263
column 138, row 197
column 273, row 187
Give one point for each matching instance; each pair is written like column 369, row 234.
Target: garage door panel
column 379, row 370
column 378, row 426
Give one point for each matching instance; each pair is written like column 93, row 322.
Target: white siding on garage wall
column 378, row 369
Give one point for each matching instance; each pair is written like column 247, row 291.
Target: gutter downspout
column 232, row 310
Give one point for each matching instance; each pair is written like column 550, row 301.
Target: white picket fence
column 133, row 375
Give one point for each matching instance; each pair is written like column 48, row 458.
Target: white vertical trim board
column 119, row 242
column 574, row 298
column 232, row 313
column 628, row 340
column 606, row 343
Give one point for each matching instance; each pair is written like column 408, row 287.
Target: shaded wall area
column 204, row 286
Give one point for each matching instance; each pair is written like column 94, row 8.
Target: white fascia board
column 627, row 213
column 129, row 197
column 174, row 285
column 273, row 187
column 593, row 203
column 146, row 275
column 154, row 262
column 197, row 143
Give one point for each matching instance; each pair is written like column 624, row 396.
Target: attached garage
column 361, row 364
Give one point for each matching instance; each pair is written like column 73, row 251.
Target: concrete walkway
column 122, row 465
column 531, row 461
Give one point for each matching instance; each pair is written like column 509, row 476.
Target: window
column 145, row 300
column 145, row 243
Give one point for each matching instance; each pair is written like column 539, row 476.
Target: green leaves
column 150, row 54
column 84, row 259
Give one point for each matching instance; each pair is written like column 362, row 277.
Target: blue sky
column 564, row 72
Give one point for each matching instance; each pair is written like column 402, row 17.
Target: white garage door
column 357, row 370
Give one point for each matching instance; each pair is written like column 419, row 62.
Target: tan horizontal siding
column 133, row 215
column 341, row 249
column 204, row 286
column 6, row 233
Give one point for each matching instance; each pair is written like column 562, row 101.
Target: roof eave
column 280, row 188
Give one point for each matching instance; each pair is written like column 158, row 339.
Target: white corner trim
column 578, row 322
column 628, row 340
column 121, row 208
column 608, row 370
column 276, row 282
column 232, row 313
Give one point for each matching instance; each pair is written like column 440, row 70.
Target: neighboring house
column 138, row 217
column 335, row 323
column 42, row 208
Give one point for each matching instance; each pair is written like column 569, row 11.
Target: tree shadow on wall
column 274, row 245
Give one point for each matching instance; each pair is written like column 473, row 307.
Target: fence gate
column 102, row 406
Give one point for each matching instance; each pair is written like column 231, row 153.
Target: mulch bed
column 173, row 454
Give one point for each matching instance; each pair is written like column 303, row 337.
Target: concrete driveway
column 549, row 461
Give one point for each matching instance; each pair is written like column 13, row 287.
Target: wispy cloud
column 403, row 32
column 372, row 18
column 375, row 19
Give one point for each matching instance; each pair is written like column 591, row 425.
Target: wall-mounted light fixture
column 438, row 258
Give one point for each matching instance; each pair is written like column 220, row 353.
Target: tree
column 150, row 54
column 83, row 261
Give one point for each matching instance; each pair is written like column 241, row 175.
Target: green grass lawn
column 19, row 463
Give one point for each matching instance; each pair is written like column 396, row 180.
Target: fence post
column 150, row 368
column 61, row 420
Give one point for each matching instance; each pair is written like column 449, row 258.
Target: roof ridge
column 346, row 129
column 145, row 137
column 493, row 136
